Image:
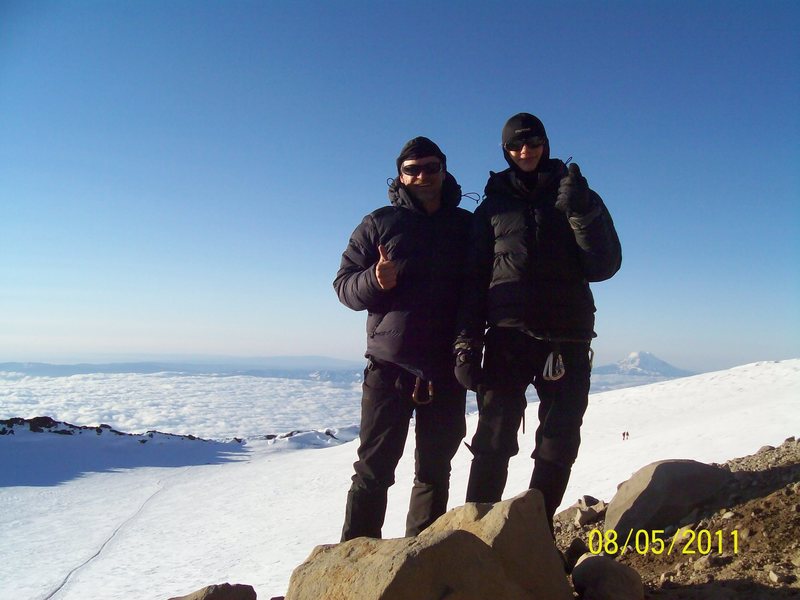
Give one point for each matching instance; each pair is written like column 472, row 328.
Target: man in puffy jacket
column 404, row 265
column 540, row 236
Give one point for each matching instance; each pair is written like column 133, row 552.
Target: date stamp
column 656, row 541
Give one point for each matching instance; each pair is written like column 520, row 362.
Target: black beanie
column 420, row 147
column 524, row 125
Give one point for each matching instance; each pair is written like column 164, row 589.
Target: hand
column 385, row 270
column 573, row 193
column 468, row 369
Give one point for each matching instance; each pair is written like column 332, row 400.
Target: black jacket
column 530, row 264
column 414, row 324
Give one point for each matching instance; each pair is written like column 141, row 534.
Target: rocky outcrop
column 474, row 552
column 448, row 565
column 518, row 532
column 740, row 543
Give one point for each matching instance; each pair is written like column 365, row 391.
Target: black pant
column 513, row 360
column 386, row 408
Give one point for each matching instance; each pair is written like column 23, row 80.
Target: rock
column 777, row 577
column 661, row 494
column 223, row 591
column 449, row 564
column 517, row 530
column 603, row 578
column 586, row 510
column 590, row 515
column 710, row 561
column 474, row 552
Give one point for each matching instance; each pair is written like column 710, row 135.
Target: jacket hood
column 400, row 196
column 508, row 182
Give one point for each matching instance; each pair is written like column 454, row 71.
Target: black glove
column 468, row 370
column 573, row 193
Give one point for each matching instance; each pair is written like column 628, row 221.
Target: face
column 527, row 158
column 425, row 187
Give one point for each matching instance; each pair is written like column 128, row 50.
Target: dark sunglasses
column 430, row 168
column 532, row 142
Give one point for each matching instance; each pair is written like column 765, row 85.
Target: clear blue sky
column 181, row 177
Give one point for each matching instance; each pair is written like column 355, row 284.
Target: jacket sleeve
column 472, row 313
column 356, row 284
column 601, row 252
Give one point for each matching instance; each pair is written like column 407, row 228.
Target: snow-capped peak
column 642, row 363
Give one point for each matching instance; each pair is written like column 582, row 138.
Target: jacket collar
column 400, row 196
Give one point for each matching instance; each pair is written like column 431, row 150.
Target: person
column 540, row 236
column 405, row 264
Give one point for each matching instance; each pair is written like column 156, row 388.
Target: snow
column 102, row 515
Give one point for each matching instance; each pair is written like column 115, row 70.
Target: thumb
column 574, row 170
column 382, row 251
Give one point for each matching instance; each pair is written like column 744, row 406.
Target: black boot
column 551, row 479
column 428, row 503
column 364, row 513
column 487, row 478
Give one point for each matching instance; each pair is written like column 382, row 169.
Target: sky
column 180, row 178
column 186, row 514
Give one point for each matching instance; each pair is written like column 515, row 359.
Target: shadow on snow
column 43, row 452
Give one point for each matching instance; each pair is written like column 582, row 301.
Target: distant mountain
column 642, row 364
column 638, row 368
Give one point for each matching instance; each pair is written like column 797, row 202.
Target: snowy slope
column 150, row 522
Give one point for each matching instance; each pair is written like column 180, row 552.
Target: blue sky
column 180, row 178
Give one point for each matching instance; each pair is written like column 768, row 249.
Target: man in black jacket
column 404, row 265
column 540, row 236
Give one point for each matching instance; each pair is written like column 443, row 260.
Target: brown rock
column 517, row 530
column 223, row 591
column 603, row 578
column 452, row 564
column 661, row 494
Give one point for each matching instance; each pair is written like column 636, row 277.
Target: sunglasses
column 431, row 168
column 532, row 142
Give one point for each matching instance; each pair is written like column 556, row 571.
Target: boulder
column 661, row 494
column 222, row 591
column 518, row 532
column 603, row 578
column 448, row 565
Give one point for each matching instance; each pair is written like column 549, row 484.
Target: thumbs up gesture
column 385, row 270
column 573, row 193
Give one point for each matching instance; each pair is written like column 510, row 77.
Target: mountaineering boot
column 551, row 479
column 487, row 478
column 364, row 513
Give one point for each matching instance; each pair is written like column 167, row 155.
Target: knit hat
column 420, row 147
column 520, row 126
